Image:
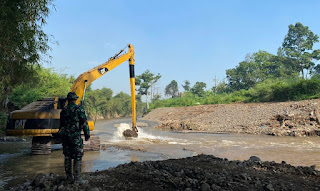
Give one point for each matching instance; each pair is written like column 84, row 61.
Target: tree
column 48, row 84
column 99, row 102
column 144, row 81
column 91, row 104
column 316, row 71
column 297, row 45
column 219, row 87
column 22, row 42
column 154, row 90
column 186, row 86
column 156, row 98
column 172, row 89
column 124, row 108
column 248, row 72
column 258, row 67
column 198, row 89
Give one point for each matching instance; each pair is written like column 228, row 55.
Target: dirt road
column 298, row 118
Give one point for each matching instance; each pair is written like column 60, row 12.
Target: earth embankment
column 299, row 118
column 202, row 172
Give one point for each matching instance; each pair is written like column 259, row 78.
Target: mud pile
column 202, row 172
column 281, row 119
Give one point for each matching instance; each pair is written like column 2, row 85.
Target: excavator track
column 41, row 145
column 93, row 144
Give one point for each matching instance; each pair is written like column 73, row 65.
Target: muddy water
column 17, row 165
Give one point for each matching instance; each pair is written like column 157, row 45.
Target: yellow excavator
column 41, row 119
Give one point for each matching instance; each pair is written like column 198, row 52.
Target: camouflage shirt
column 73, row 119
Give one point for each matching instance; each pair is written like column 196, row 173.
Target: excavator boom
column 41, row 119
column 86, row 78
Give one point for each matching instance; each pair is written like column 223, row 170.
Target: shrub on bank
column 285, row 90
column 271, row 90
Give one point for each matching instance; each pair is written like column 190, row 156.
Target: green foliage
column 258, row 67
column 220, row 88
column 294, row 57
column 186, row 86
column 285, row 90
column 22, row 42
column 47, row 83
column 297, row 45
column 145, row 81
column 198, row 89
column 290, row 89
column 188, row 99
column 172, row 89
column 155, row 98
column 102, row 103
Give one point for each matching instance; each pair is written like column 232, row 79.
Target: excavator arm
column 86, row 78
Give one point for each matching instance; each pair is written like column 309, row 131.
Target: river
column 17, row 165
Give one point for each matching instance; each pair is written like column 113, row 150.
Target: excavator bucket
column 131, row 132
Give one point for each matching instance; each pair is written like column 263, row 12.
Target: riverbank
column 202, row 172
column 298, row 118
column 156, row 145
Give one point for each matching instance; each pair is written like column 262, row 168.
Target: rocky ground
column 206, row 172
column 202, row 172
column 300, row 118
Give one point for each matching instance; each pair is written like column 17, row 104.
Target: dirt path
column 281, row 119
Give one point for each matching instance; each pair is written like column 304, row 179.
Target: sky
column 179, row 39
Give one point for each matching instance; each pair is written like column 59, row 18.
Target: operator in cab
column 72, row 120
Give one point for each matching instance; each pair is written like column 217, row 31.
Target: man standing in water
column 72, row 120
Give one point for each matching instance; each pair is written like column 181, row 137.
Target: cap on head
column 72, row 96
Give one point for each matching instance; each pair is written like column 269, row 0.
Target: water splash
column 118, row 135
column 142, row 135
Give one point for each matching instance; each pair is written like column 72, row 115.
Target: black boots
column 77, row 172
column 68, row 169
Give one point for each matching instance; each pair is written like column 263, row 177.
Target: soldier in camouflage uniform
column 73, row 119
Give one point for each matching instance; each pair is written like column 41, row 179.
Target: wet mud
column 202, row 172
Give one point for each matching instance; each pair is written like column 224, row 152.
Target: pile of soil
column 202, row 172
column 300, row 118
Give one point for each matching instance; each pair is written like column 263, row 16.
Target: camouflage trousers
column 73, row 147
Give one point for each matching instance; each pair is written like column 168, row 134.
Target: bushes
column 285, row 90
column 291, row 89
